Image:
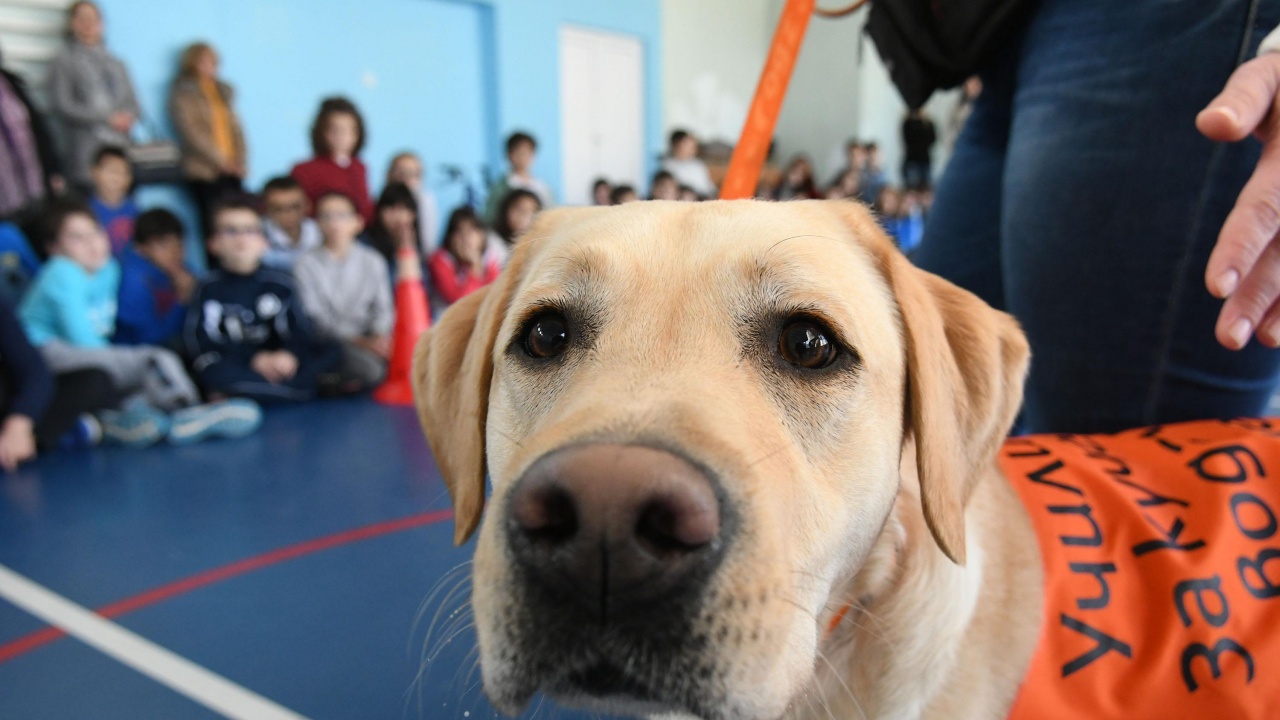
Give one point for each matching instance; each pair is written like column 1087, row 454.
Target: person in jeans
column 1082, row 199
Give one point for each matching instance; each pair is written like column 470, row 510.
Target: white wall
column 713, row 52
column 822, row 109
column 883, row 112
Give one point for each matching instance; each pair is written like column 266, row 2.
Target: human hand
column 286, row 364
column 121, row 121
column 405, row 236
column 184, row 283
column 1244, row 267
column 264, row 363
column 379, row 345
column 17, row 442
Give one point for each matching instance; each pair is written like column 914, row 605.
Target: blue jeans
column 1081, row 199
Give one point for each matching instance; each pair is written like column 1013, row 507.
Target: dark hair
column 853, row 143
column 871, row 146
column 154, row 224
column 395, row 194
column 109, row 151
column 71, row 11
column 677, row 136
column 328, row 108
column 600, row 181
column 55, row 216
column 615, row 195
column 515, row 138
column 460, row 215
column 501, row 224
column 281, row 183
column 659, row 177
column 334, row 194
column 234, row 201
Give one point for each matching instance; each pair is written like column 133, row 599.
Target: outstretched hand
column 1244, row 267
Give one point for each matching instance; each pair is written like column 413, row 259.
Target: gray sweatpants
column 361, row 366
column 144, row 372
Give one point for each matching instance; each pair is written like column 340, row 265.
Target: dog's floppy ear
column 966, row 364
column 452, row 370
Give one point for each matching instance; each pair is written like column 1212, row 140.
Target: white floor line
column 213, row 691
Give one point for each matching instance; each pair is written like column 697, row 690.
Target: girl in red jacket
column 460, row 266
column 336, row 138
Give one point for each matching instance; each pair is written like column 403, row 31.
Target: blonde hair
column 190, row 57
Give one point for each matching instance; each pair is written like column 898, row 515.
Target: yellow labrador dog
column 712, row 429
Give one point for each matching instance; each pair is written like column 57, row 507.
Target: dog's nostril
column 547, row 516
column 676, row 526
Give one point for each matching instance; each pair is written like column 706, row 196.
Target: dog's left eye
column 808, row 345
column 546, row 335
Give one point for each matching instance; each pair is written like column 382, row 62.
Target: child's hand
column 264, row 363
column 121, row 121
column 184, row 284
column 17, row 442
column 286, row 364
column 405, row 236
column 379, row 345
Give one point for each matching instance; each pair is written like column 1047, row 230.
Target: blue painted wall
column 446, row 78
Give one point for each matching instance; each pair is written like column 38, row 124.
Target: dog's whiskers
column 771, row 453
column 507, row 435
column 845, row 686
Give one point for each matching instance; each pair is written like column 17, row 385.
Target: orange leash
column 753, row 145
column 835, row 620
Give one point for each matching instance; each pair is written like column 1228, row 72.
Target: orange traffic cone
column 412, row 319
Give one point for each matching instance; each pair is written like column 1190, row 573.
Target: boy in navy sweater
column 155, row 284
column 246, row 332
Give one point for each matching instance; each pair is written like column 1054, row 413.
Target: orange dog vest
column 1161, row 549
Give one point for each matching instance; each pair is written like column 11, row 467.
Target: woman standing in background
column 209, row 131
column 91, row 92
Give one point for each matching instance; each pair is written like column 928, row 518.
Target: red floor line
column 43, row 637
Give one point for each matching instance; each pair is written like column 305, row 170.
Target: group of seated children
column 121, row 342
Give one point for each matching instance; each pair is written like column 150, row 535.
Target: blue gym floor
column 311, row 563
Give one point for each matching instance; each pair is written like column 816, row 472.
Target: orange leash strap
column 749, row 155
column 835, row 620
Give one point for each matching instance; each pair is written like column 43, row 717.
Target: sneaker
column 136, row 426
column 233, row 418
column 85, row 434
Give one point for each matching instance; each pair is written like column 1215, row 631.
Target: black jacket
column 937, row 44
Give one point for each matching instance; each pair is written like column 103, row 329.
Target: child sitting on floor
column 246, row 333
column 460, row 267
column 155, row 284
column 346, row 290
column 70, row 312
column 111, row 200
column 290, row 232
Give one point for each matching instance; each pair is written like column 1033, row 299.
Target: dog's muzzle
column 613, row 549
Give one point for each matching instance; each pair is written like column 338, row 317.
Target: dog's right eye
column 546, row 335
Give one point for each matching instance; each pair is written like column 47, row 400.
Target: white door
column 601, row 111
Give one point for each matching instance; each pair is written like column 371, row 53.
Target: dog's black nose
column 614, row 528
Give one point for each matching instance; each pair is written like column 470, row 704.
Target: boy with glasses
column 289, row 231
column 246, row 333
